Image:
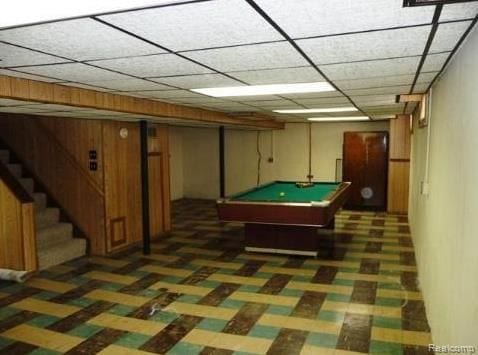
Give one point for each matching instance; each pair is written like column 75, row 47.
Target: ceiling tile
column 395, row 90
column 198, row 81
column 366, row 46
column 325, row 101
column 170, row 94
column 420, row 88
column 375, row 68
column 307, row 18
column 198, row 26
column 256, row 98
column 252, row 57
column 18, row 74
column 434, row 62
column 83, row 39
column 453, row 12
column 130, row 85
column 11, row 56
column 371, row 100
column 196, row 100
column 384, row 109
column 153, row 66
column 448, row 35
column 88, row 87
column 279, row 76
column 271, row 103
column 75, row 72
column 426, row 77
column 363, row 83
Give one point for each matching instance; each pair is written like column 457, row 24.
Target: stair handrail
column 69, row 156
column 14, row 185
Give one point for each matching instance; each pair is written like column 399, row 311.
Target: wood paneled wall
column 159, row 183
column 399, row 165
column 122, row 171
column 17, row 232
column 105, row 204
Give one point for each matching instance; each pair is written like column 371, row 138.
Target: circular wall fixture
column 367, row 193
column 123, row 132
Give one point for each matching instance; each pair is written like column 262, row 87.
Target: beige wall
column 176, row 162
column 200, row 162
column 444, row 223
column 288, row 147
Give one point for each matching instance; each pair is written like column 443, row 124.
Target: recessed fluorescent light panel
column 24, row 12
column 339, row 119
column 276, row 89
column 320, row 110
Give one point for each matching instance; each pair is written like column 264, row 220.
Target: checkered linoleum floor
column 359, row 296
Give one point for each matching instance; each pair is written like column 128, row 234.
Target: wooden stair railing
column 18, row 249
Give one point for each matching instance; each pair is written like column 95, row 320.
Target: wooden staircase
column 55, row 241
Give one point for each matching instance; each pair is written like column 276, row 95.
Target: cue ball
column 282, row 194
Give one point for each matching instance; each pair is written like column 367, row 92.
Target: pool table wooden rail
column 313, row 213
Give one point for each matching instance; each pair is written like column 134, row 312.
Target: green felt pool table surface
column 285, row 191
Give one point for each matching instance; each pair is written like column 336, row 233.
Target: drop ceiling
column 369, row 50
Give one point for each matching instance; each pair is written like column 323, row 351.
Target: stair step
column 54, row 234
column 4, row 156
column 15, row 169
column 47, row 217
column 40, row 201
column 28, row 184
column 61, row 252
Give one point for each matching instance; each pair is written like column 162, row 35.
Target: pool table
column 281, row 217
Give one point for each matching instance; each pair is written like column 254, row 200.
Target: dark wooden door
column 365, row 165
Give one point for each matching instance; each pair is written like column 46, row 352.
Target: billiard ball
column 282, row 194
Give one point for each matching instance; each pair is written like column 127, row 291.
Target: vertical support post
column 222, row 174
column 145, row 187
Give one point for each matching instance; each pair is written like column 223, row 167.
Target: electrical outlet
column 425, row 188
column 270, row 160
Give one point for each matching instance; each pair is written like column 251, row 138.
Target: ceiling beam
column 41, row 92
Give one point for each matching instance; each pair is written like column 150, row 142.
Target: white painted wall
column 444, row 224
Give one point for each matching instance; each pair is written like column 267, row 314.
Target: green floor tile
column 111, row 286
column 81, row 302
column 233, row 304
column 132, row 340
column 149, row 293
column 392, row 302
column 322, row 340
column 183, row 348
column 43, row 321
column 389, row 285
column 172, row 279
column 262, row 331
column 164, row 317
column 331, row 316
column 4, row 342
column 6, row 312
column 386, row 322
column 380, row 348
column 189, row 299
column 280, row 310
column 249, row 288
column 211, row 324
column 85, row 330
column 338, row 297
column 121, row 310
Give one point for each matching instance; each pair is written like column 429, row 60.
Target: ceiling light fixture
column 339, row 119
column 275, row 89
column 25, row 12
column 320, row 110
